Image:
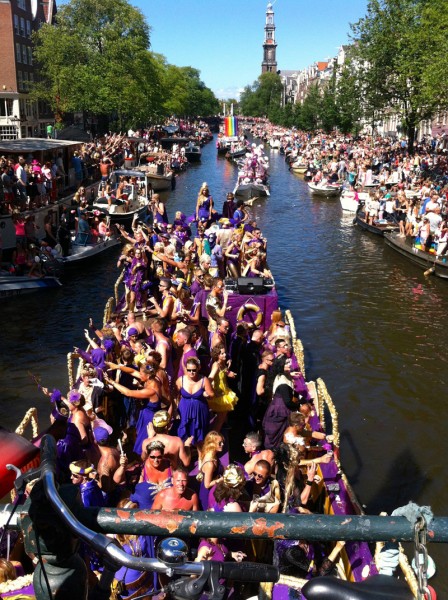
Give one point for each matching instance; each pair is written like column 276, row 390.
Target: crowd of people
column 408, row 190
column 172, row 395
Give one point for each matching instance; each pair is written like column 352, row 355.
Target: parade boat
column 299, row 562
column 432, row 265
column 249, row 189
column 327, row 190
column 379, row 226
column 12, row 285
column 133, row 202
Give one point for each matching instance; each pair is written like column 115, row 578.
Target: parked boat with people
column 124, row 197
column 327, row 190
column 431, row 262
column 373, row 224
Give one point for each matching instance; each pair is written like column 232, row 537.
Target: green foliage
column 263, row 98
column 96, row 59
column 397, row 63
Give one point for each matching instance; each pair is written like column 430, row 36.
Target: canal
column 373, row 328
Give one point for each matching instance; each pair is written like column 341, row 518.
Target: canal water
column 374, row 328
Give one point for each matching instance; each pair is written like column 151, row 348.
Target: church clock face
column 270, row 53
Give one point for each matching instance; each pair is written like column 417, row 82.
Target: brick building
column 19, row 116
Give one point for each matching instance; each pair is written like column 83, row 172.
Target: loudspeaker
column 251, row 285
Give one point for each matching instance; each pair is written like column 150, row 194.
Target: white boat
column 159, row 182
column 82, row 250
column 350, row 200
column 274, row 142
column 327, row 190
column 133, row 201
column 18, row 285
column 251, row 189
column 299, row 167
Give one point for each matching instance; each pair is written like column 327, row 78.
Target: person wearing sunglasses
column 194, row 392
column 156, row 475
column 264, row 492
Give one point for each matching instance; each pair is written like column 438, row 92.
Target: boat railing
column 116, row 286
column 326, row 406
column 296, row 343
column 30, row 418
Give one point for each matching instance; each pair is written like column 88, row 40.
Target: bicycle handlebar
column 105, row 546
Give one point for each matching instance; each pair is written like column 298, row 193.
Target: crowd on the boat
column 170, row 391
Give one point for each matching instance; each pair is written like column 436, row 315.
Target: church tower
column 269, row 64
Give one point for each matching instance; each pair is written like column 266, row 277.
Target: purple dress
column 204, row 493
column 204, row 209
column 194, row 414
column 144, row 418
column 136, row 581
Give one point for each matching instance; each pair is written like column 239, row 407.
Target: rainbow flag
column 230, row 126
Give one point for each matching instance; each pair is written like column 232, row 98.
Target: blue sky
column 223, row 38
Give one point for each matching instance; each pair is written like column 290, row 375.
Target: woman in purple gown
column 193, row 408
column 136, row 277
column 204, row 205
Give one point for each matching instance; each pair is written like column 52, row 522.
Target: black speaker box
column 251, row 285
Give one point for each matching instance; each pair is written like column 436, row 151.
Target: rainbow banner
column 230, row 126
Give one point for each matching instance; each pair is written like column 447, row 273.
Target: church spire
column 269, row 64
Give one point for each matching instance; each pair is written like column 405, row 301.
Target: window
column 9, row 105
column 22, row 26
column 25, row 81
column 31, row 77
column 24, row 55
column 18, row 53
column 8, row 133
column 20, row 80
column 16, row 24
column 30, row 56
column 28, row 28
column 21, row 4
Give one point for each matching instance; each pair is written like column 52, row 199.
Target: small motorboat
column 299, row 167
column 159, row 179
column 16, row 285
column 327, row 190
column 350, row 200
column 83, row 249
column 193, row 153
column 251, row 189
column 133, row 201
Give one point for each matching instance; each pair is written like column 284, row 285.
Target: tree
column 263, row 97
column 96, row 59
column 391, row 50
column 311, row 110
column 348, row 98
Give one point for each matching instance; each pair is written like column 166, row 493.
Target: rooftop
column 33, row 145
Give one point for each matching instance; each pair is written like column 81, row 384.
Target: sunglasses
column 259, row 476
column 156, row 457
column 192, row 370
